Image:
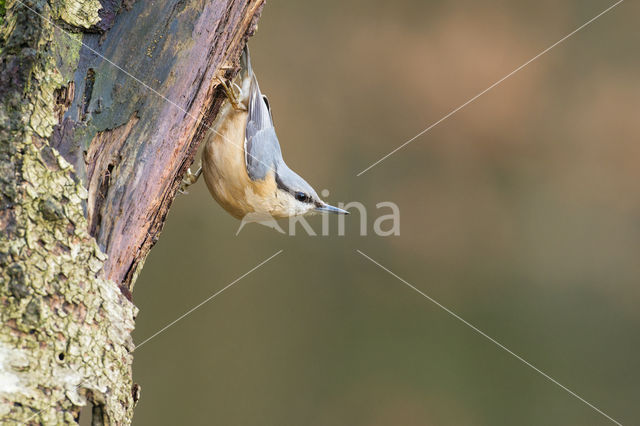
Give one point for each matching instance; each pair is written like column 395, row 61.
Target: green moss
column 66, row 53
column 66, row 329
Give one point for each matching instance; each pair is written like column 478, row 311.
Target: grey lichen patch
column 77, row 13
column 12, row 363
column 66, row 330
column 83, row 324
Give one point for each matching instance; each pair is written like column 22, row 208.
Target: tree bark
column 92, row 151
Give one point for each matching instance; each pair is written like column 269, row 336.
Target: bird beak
column 326, row 208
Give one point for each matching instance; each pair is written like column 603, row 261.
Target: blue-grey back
column 262, row 148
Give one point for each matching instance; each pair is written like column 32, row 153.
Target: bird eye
column 302, row 197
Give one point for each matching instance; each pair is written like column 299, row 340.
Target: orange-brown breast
column 225, row 172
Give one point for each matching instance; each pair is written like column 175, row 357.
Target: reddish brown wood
column 131, row 142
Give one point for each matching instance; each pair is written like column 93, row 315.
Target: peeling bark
column 90, row 160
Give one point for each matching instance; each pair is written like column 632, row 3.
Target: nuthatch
column 242, row 162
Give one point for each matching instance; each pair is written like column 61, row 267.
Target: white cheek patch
column 281, row 205
column 301, row 208
column 291, row 205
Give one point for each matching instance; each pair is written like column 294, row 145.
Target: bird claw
column 232, row 96
column 189, row 179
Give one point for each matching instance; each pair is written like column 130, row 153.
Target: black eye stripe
column 298, row 195
column 302, row 197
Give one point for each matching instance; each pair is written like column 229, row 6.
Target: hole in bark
column 63, row 96
column 100, row 197
column 88, row 90
column 61, row 356
column 107, row 175
column 32, row 331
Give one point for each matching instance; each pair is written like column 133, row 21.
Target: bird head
column 296, row 197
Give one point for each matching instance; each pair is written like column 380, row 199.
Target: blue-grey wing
column 262, row 149
column 261, row 152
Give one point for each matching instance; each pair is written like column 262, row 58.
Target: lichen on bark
column 70, row 120
column 77, row 13
column 65, row 337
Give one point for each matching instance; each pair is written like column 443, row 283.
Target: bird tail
column 259, row 112
column 245, row 61
column 243, row 81
column 247, row 73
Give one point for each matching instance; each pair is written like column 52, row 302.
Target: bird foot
column 231, row 95
column 189, row 179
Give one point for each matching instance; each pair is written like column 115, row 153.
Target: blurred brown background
column 521, row 213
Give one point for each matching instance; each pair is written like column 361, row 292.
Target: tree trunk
column 92, row 151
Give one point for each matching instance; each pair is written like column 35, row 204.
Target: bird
column 242, row 161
